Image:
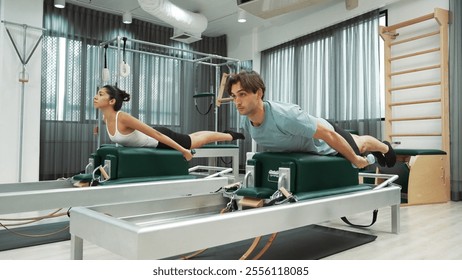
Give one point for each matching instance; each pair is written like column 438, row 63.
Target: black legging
column 347, row 136
column 183, row 139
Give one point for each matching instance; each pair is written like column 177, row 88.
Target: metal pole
column 217, row 88
column 21, row 97
column 238, row 69
column 119, row 60
column 23, row 78
column 98, row 117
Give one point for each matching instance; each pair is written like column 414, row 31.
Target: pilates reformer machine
column 280, row 191
column 116, row 174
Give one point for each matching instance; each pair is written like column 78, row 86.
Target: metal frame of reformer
column 45, row 195
column 201, row 58
column 156, row 229
column 213, row 152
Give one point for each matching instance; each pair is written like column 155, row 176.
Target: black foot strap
column 374, row 219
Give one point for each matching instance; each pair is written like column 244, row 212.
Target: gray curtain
column 332, row 73
column 244, row 145
column 161, row 88
column 455, row 100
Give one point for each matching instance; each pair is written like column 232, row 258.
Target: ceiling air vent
column 181, row 36
column 271, row 8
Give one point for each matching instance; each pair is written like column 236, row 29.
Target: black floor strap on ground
column 374, row 219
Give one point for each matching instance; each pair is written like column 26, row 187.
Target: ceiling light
column 127, row 18
column 351, row 4
column 241, row 16
column 60, row 4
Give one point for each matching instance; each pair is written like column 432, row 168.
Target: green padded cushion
column 308, row 172
column 255, row 192
column 334, row 191
column 415, row 152
column 203, row 94
column 96, row 159
column 83, row 177
column 129, row 162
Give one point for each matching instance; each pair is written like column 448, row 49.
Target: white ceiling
column 221, row 14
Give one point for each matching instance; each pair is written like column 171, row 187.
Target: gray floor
column 428, row 232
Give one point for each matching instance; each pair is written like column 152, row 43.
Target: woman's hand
column 187, row 154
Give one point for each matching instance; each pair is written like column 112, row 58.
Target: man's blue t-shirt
column 287, row 128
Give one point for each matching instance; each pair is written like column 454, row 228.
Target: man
column 286, row 127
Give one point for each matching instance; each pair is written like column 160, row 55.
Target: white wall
column 407, row 9
column 267, row 36
column 27, row 12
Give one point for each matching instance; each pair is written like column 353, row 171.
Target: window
column 332, row 73
column 382, row 22
column 62, row 60
column 159, row 90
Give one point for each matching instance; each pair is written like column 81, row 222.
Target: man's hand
column 360, row 162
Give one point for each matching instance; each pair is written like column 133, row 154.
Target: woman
column 128, row 131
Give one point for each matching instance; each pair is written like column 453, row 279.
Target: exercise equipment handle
column 104, row 173
column 370, row 159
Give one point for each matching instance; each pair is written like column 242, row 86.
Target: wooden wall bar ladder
column 416, row 63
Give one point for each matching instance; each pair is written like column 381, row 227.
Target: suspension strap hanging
column 124, row 67
column 200, row 95
column 106, row 75
column 105, row 55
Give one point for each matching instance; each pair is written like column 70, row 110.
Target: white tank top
column 134, row 139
